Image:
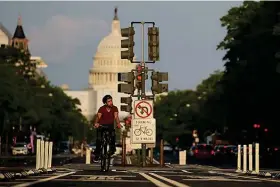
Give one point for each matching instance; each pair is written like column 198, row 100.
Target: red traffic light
column 256, row 126
column 177, row 139
column 265, row 130
column 139, row 77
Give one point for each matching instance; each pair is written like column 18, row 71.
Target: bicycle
column 105, row 155
column 146, row 131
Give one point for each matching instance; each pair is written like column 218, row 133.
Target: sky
column 66, row 36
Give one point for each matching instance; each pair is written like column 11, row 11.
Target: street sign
column 143, row 131
column 143, row 109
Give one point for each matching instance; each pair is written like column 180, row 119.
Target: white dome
column 108, row 54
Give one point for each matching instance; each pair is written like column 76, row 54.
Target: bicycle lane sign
column 143, row 109
column 143, row 131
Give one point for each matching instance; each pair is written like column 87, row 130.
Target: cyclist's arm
column 116, row 115
column 98, row 116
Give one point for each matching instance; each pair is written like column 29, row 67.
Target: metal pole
column 161, row 153
column 38, row 154
column 239, row 159
column 257, row 158
column 244, row 158
column 123, row 149
column 250, row 158
column 143, row 88
column 152, row 155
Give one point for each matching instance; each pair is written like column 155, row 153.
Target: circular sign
column 143, row 109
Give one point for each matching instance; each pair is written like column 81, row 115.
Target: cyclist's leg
column 98, row 144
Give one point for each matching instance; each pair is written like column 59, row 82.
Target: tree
column 27, row 99
column 250, row 82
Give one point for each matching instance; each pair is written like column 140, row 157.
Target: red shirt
column 107, row 117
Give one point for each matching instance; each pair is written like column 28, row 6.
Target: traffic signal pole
column 128, row 78
column 143, row 87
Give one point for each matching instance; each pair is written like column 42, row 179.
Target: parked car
column 202, row 151
column 20, row 148
column 221, row 150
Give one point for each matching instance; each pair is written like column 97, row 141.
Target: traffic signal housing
column 139, row 77
column 128, row 86
column 128, row 102
column 153, row 43
column 158, row 77
column 128, row 43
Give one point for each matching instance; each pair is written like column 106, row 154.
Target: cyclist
column 106, row 116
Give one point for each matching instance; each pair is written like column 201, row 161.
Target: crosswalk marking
column 185, row 171
column 169, row 180
column 155, row 181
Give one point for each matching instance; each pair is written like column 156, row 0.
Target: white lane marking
column 230, row 180
column 114, row 170
column 103, row 175
column 169, row 166
column 43, row 180
column 155, row 181
column 99, row 180
column 254, row 178
column 185, row 171
column 169, row 180
column 155, row 161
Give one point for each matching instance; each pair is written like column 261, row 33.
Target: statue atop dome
column 116, row 14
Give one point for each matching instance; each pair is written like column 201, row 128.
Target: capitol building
column 103, row 76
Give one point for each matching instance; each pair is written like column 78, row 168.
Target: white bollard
column 42, row 153
column 239, row 159
column 244, row 158
column 182, row 157
column 50, row 155
column 250, row 157
column 38, row 154
column 257, row 159
column 46, row 154
column 88, row 156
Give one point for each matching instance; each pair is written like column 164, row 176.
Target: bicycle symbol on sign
column 143, row 130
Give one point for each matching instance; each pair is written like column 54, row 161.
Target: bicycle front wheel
column 105, row 159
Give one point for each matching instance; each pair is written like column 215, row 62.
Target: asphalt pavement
column 169, row 176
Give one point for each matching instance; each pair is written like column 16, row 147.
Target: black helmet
column 105, row 98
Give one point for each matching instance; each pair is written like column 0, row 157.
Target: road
column 187, row 176
column 27, row 161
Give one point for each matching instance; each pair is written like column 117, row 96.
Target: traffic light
column 139, row 77
column 257, row 126
column 153, row 43
column 129, row 79
column 158, row 77
column 128, row 43
column 128, row 102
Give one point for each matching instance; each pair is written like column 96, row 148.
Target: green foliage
column 180, row 112
column 27, row 99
